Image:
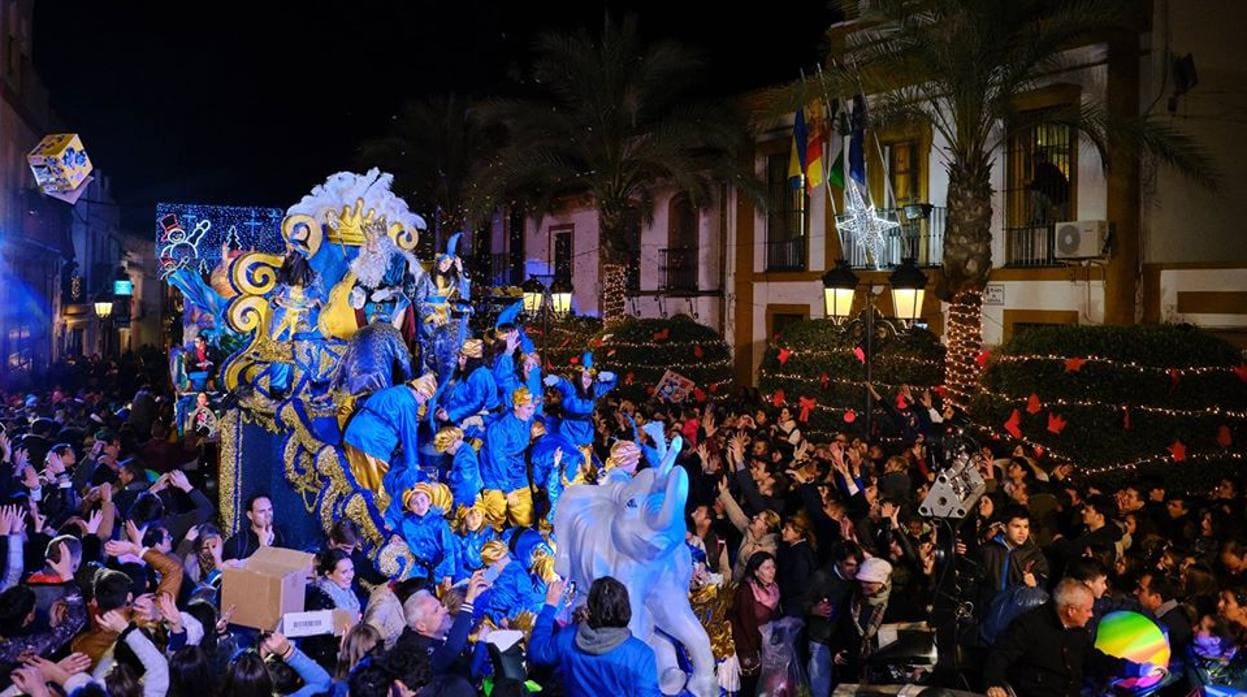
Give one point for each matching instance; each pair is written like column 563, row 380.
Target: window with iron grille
column 679, row 259
column 561, row 250
column 1040, row 182
column 785, row 217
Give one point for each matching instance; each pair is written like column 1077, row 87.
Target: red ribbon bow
column 824, row 380
column 784, row 355
column 777, row 399
column 697, row 351
column 1014, row 423
column 1178, row 450
column 662, row 335
column 807, row 405
column 1032, row 405
column 1056, row 424
column 1073, row 365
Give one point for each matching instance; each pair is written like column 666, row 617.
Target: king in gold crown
column 352, row 226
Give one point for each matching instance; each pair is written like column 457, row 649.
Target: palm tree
column 430, row 148
column 612, row 120
column 961, row 65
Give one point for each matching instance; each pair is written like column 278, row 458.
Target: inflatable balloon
column 1136, row 638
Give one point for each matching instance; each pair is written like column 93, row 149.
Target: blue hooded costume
column 464, row 479
column 577, row 424
column 507, row 375
column 443, row 301
column 517, row 589
column 386, row 427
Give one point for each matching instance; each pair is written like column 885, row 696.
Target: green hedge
column 1148, row 368
column 817, row 348
column 569, row 338
column 641, row 350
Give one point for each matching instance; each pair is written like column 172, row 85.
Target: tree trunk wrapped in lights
column 967, row 262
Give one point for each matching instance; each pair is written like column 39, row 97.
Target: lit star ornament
column 867, row 229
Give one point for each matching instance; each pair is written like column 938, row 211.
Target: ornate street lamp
column 561, row 297
column 839, row 287
column 908, row 291
column 103, row 305
column 534, row 292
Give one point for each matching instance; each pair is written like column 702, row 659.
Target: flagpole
column 827, row 159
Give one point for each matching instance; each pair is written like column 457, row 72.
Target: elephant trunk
column 674, row 498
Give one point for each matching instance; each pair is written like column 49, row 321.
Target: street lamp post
column 908, row 285
column 545, row 303
column 103, row 306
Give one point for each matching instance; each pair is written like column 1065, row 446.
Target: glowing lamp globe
column 103, row 305
column 533, row 293
column 561, row 297
column 908, row 291
column 839, row 287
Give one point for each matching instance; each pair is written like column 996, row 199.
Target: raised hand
column 93, row 521
column 169, row 611
column 178, row 479
column 114, row 621
column 30, row 478
column 133, row 533
column 30, row 681
column 476, row 585
column 64, row 564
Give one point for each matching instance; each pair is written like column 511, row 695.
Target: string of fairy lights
column 965, row 342
column 1217, row 411
column 1118, row 364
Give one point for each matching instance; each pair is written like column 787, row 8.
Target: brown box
column 269, row 584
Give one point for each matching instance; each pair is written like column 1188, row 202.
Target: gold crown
column 352, row 226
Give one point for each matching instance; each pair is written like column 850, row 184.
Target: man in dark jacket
column 825, row 602
column 1012, row 558
column 261, row 532
column 1159, row 597
column 432, row 631
column 1044, row 651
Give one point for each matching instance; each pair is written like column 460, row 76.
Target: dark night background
column 253, row 103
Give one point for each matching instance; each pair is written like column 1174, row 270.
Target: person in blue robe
column 473, row 532
column 376, row 358
column 503, row 464
column 557, row 464
column 427, row 534
column 470, row 396
column 580, row 399
column 381, row 438
column 464, row 477
column 443, row 297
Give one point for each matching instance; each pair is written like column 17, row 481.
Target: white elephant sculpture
column 633, row 530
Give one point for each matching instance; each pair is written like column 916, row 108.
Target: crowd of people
column 114, row 549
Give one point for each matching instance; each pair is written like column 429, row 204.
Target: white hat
column 874, row 570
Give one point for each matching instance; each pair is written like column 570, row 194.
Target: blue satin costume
column 385, row 426
column 502, row 457
column 509, row 380
column 544, row 473
column 577, row 424
column 432, row 543
column 470, row 546
column 470, row 397
column 465, row 476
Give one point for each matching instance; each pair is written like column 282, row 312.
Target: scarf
column 343, row 598
column 878, row 605
column 768, row 595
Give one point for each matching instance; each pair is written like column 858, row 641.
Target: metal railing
column 679, row 269
column 786, row 255
column 918, row 237
column 1031, row 245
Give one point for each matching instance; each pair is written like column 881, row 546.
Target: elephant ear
column 654, row 430
column 583, row 532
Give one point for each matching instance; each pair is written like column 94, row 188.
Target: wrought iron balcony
column 919, row 237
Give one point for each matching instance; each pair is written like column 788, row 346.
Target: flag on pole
column 835, row 146
column 815, row 147
column 797, row 158
column 857, row 142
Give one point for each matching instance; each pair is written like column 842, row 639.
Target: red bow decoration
column 1174, row 375
column 662, row 335
column 784, row 355
column 1039, row 450
column 981, row 359
column 1012, row 425
column 697, row 351
column 714, row 388
column 1125, row 418
column 850, row 416
column 698, row 394
column 777, row 399
column 1032, row 405
column 1178, row 450
column 574, row 360
column 1073, row 365
column 824, row 380
column 861, row 355
column 1241, row 372
column 1056, row 424
column 629, row 377
column 1224, row 438
column 807, row 405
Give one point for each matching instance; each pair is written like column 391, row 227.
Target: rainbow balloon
column 1136, row 638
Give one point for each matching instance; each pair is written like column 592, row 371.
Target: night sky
column 254, row 103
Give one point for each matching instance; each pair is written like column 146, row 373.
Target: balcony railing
column 1030, row 245
column 679, row 269
column 786, row 255
column 920, row 238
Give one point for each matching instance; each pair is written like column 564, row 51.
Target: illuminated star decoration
column 867, row 229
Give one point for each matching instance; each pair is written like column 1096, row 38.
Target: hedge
column 1122, row 401
column 569, row 338
column 640, row 351
column 816, row 359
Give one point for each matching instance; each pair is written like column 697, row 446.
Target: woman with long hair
column 191, row 673
column 249, row 676
column 335, row 576
column 796, row 562
column 363, row 640
column 756, row 603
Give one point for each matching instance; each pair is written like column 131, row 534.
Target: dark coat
column 1039, row 657
column 796, row 565
column 1003, row 566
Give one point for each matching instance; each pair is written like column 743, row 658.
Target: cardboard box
column 269, row 584
column 59, row 163
column 300, row 624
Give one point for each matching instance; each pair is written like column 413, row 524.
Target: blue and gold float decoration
column 344, row 262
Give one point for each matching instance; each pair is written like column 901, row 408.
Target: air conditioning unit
column 1080, row 239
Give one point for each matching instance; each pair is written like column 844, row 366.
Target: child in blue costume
column 473, row 532
column 515, row 369
column 580, row 399
column 503, row 467
column 556, row 463
column 516, row 590
column 380, row 438
column 471, row 394
column 465, row 468
column 427, row 534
